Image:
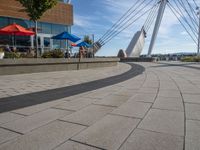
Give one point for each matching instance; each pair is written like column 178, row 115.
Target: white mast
column 163, row 4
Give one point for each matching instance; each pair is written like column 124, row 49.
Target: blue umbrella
column 84, row 44
column 66, row 36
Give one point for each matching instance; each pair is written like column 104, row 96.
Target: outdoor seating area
column 71, row 43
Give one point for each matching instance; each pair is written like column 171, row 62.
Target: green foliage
column 53, row 54
column 11, row 55
column 36, row 8
column 26, row 55
column 88, row 40
column 191, row 59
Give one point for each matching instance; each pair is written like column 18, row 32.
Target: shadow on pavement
column 21, row 101
column 186, row 65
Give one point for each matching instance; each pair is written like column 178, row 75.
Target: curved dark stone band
column 21, row 101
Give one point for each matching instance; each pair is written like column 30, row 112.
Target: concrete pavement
column 157, row 108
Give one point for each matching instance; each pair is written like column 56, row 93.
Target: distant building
column 54, row 21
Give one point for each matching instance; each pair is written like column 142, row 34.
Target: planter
column 2, row 55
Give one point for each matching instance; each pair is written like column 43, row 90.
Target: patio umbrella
column 15, row 29
column 84, row 44
column 66, row 36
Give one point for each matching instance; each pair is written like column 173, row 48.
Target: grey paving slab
column 6, row 135
column 133, row 109
column 97, row 95
column 44, row 138
column 169, row 103
column 76, row 104
column 7, row 117
column 169, row 93
column 170, row 122
column 88, row 115
column 147, row 140
column 192, row 144
column 37, row 108
column 192, row 111
column 144, row 97
column 112, row 100
column 108, row 133
column 34, row 121
column 148, row 90
column 126, row 92
column 70, row 145
column 191, row 98
column 192, row 129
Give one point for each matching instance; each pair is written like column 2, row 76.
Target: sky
column 97, row 16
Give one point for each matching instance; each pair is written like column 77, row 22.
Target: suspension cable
column 148, row 26
column 130, row 11
column 185, row 8
column 174, row 11
column 180, row 12
column 193, row 11
column 128, row 25
column 149, row 17
column 117, row 29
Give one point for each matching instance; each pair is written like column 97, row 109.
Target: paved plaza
column 134, row 106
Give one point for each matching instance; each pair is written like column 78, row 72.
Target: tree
column 35, row 9
column 88, row 40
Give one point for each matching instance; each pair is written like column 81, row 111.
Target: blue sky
column 97, row 16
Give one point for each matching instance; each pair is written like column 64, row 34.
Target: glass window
column 21, row 22
column 3, row 22
column 56, row 29
column 46, row 28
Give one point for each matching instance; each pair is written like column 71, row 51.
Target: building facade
column 54, row 21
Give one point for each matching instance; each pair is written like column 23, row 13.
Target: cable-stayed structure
column 184, row 10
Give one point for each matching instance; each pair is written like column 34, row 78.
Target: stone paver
column 144, row 97
column 37, row 108
column 44, row 138
column 6, row 135
column 169, row 93
column 169, row 103
column 133, row 109
column 108, row 133
column 88, row 115
column 76, row 104
column 192, row 111
column 112, row 100
column 29, row 123
column 70, row 145
column 147, row 140
column 192, row 98
column 193, row 129
column 164, row 121
column 145, row 112
column 7, row 117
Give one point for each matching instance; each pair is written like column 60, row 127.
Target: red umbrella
column 15, row 29
column 73, row 44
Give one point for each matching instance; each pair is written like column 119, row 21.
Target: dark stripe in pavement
column 30, row 99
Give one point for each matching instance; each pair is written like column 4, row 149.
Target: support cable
column 174, row 11
column 128, row 25
column 149, row 17
column 124, row 24
column 130, row 11
column 193, row 11
column 195, row 3
column 185, row 8
column 180, row 12
column 148, row 26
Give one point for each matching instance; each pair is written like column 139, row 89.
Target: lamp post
column 93, row 45
column 198, row 47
